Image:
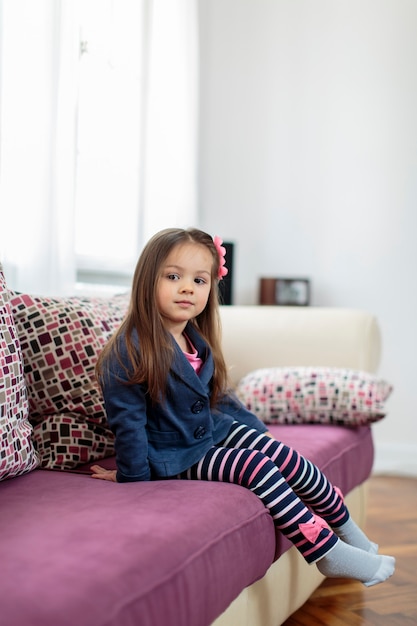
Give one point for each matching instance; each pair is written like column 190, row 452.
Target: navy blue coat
column 165, row 439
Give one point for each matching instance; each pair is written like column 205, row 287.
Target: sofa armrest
column 275, row 336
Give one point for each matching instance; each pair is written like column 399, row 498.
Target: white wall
column 309, row 163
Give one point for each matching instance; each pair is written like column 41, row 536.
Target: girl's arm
column 126, row 414
column 231, row 405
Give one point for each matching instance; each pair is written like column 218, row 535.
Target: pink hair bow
column 311, row 530
column 221, row 251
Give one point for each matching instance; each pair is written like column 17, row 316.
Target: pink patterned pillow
column 286, row 395
column 61, row 339
column 17, row 454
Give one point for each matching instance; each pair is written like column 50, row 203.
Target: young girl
column 164, row 382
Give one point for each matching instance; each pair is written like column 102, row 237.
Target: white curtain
column 171, row 106
column 38, row 116
column 38, row 97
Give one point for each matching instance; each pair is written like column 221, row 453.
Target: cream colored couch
column 265, row 336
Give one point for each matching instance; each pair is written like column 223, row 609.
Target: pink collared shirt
column 193, row 358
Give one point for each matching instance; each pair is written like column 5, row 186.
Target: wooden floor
column 392, row 523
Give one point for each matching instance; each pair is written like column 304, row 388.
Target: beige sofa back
column 276, row 336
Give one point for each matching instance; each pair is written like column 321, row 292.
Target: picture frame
column 285, row 291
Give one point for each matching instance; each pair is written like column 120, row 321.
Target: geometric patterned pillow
column 297, row 395
column 61, row 339
column 17, row 454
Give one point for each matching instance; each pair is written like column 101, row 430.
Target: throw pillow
column 17, row 453
column 61, row 339
column 314, row 394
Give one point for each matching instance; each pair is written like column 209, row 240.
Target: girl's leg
column 255, row 471
column 307, row 481
column 313, row 538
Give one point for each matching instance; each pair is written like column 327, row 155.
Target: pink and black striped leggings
column 298, row 496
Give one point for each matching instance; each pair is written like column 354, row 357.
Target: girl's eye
column 173, row 277
column 200, row 281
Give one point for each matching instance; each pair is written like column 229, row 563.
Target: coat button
column 197, row 406
column 199, row 432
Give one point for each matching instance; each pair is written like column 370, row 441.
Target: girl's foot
column 346, row 561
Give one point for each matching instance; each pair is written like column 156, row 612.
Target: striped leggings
column 302, row 502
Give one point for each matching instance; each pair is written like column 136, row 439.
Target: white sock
column 345, row 561
column 351, row 533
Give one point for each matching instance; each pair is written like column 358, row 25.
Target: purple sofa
column 82, row 552
column 86, row 552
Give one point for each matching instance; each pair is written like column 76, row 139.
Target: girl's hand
column 103, row 474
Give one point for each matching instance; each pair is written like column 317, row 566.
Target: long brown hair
column 152, row 363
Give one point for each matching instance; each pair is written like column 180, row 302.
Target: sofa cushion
column 150, row 553
column 145, row 553
column 17, row 454
column 314, row 394
column 61, row 339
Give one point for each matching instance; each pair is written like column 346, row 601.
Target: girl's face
column 184, row 285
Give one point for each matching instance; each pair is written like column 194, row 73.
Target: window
column 95, row 185
column 109, row 139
